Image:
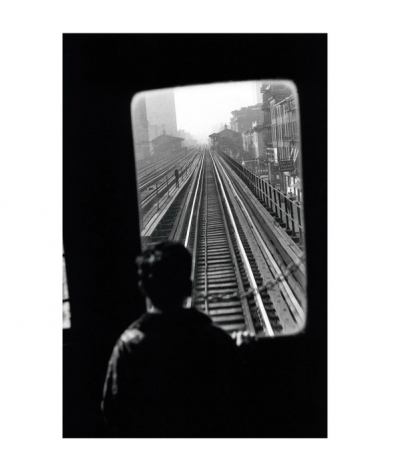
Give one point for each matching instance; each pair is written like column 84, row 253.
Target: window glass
column 210, row 176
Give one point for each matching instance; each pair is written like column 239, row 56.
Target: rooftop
column 167, row 136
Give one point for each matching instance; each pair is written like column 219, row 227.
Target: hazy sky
column 199, row 108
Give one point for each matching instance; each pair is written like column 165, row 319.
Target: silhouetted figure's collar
column 178, row 317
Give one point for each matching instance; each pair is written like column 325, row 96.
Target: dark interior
column 101, row 230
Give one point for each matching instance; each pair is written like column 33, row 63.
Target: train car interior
column 111, row 201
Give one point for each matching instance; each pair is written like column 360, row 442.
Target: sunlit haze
column 200, row 108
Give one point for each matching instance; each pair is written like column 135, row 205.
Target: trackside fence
column 287, row 212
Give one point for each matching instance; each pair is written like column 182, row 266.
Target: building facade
column 258, row 142
column 243, row 119
column 228, row 141
column 253, row 141
column 248, row 142
column 281, row 133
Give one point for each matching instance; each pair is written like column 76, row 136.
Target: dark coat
column 175, row 374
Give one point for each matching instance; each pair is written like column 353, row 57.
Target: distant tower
column 161, row 112
column 140, row 129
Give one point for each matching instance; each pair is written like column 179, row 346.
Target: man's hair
column 164, row 271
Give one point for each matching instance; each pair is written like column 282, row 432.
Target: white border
column 363, row 229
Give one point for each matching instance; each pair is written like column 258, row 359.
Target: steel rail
column 183, row 216
column 143, row 171
column 147, row 205
column 171, row 164
column 153, row 194
column 165, row 170
column 192, row 210
column 274, row 199
column 206, row 272
column 161, row 170
column 162, row 165
column 198, row 234
column 161, row 176
column 261, row 242
column 239, row 276
column 201, row 176
column 244, row 256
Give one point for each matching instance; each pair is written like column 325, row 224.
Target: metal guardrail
column 165, row 166
column 286, row 211
column 161, row 194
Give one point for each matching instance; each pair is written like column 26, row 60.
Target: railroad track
column 155, row 163
column 164, row 169
column 221, row 270
column 215, row 271
column 227, row 260
column 289, row 296
column 163, row 189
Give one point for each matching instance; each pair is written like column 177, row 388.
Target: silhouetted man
column 177, row 177
column 172, row 372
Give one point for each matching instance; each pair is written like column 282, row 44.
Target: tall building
column 140, row 129
column 161, row 113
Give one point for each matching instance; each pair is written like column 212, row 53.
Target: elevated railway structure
column 162, row 185
column 164, row 168
column 248, row 270
column 144, row 166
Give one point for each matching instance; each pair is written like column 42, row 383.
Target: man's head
column 164, row 274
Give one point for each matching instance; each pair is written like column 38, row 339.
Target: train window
column 210, row 176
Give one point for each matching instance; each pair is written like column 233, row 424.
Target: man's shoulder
column 154, row 327
column 132, row 336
